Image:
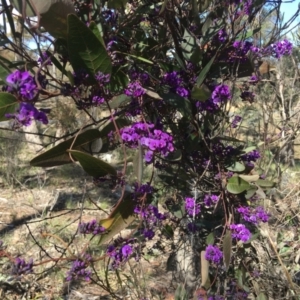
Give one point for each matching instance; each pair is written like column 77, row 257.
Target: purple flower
column 253, row 79
column 253, row 215
column 281, row 48
column 20, row 266
column 222, row 35
column 135, row 90
column 192, row 227
column 235, row 121
column 102, row 78
column 252, row 156
column 26, row 113
column 79, row 269
column 23, row 83
column 97, row 100
column 91, row 227
column 172, row 79
column 148, row 233
column 240, row 232
column 45, row 57
column 126, row 251
column 209, row 200
column 213, row 254
column 192, row 207
column 181, row 91
column 220, row 94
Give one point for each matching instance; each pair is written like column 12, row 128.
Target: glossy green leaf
column 201, row 93
column 179, row 103
column 58, row 155
column 251, row 192
column 86, row 52
column 227, row 248
column 236, row 167
column 93, row 166
column 118, row 81
column 123, row 216
column 237, row 185
column 8, row 104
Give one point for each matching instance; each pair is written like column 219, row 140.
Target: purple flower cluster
column 240, row 232
column 242, row 48
column 141, row 190
column 20, row 266
column 210, row 200
column 21, row 83
column 235, row 121
column 221, row 94
column 26, row 113
column 91, row 227
column 281, row 48
column 222, row 35
column 152, row 218
column 134, row 89
column 254, row 79
column 192, row 207
column 174, row 80
column 251, row 156
column 152, row 139
column 79, row 269
column 102, row 78
column 137, row 76
column 120, row 253
column 253, row 215
column 213, row 254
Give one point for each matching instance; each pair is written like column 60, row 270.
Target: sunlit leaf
column 204, row 270
column 227, row 248
column 237, row 185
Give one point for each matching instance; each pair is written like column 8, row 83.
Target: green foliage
column 8, row 104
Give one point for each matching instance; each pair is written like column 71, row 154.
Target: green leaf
column 251, row 192
column 167, row 230
column 4, row 72
column 249, row 178
column 119, row 100
column 137, row 57
column 93, row 166
column 236, row 167
column 227, row 248
column 174, row 156
column 248, row 149
column 8, row 104
column 123, row 216
column 95, row 29
column 210, row 239
column 117, row 4
column 58, row 155
column 118, row 81
column 204, row 71
column 86, row 52
column 181, row 293
column 265, row 183
column 262, row 296
column 237, row 185
column 179, row 103
column 188, row 44
column 201, row 93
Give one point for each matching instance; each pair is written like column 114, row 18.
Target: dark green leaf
column 92, row 165
column 116, row 4
column 8, row 104
column 201, row 93
column 204, row 71
column 174, row 156
column 167, row 230
column 58, row 155
column 86, row 52
column 94, row 27
column 237, row 185
column 227, row 248
column 179, row 103
column 4, row 72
